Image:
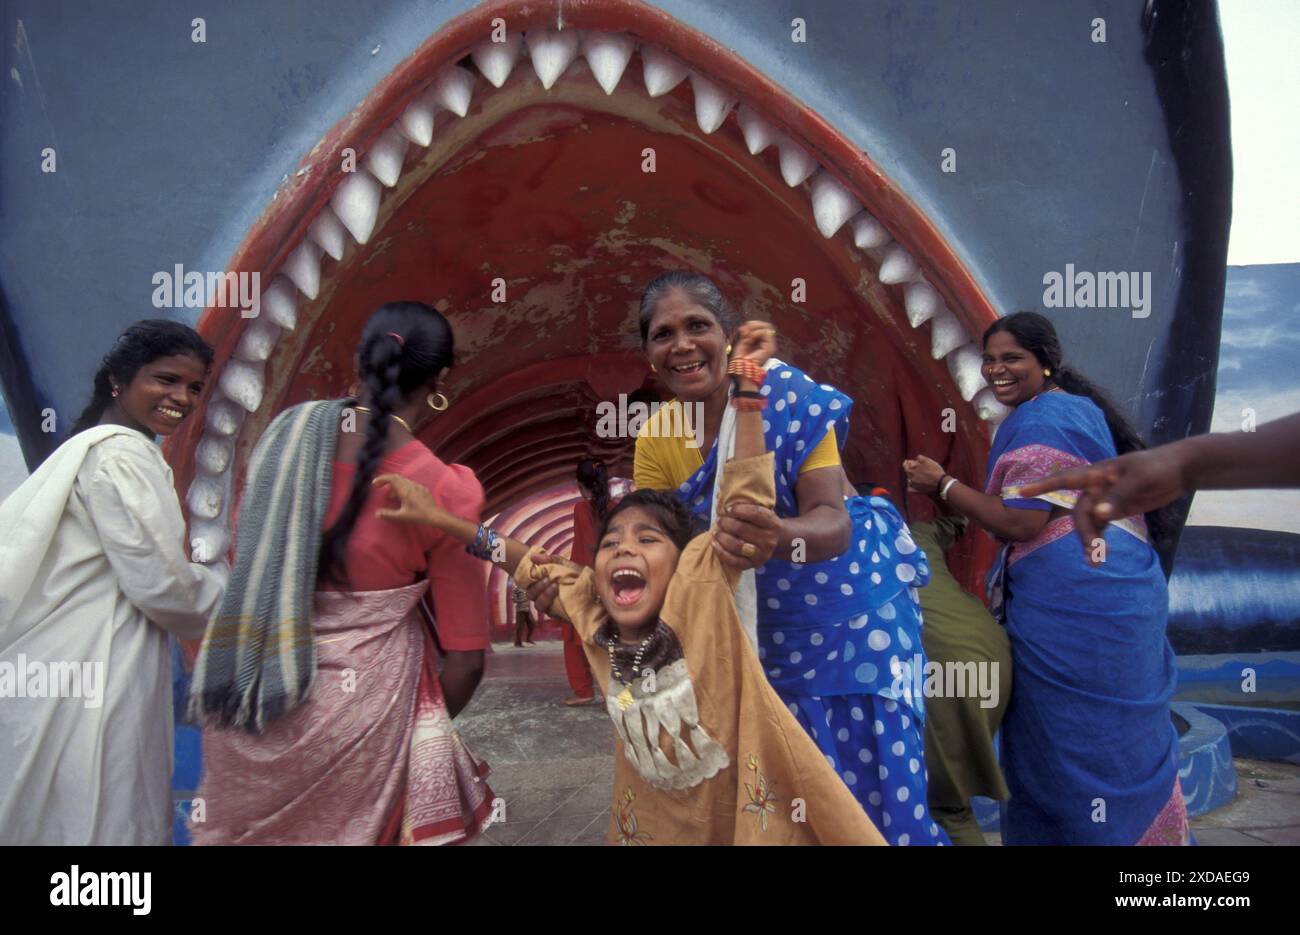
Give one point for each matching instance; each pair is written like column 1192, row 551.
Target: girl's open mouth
column 628, row 586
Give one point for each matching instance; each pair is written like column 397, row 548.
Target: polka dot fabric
column 878, row 751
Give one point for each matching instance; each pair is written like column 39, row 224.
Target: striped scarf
column 258, row 658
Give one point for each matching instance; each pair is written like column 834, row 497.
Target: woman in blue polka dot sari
column 839, row 637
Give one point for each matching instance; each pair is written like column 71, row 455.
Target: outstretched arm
column 416, row 505
column 1142, row 481
column 925, row 475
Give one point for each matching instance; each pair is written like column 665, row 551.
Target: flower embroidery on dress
column 762, row 801
column 629, row 834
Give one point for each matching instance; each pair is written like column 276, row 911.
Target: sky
column 1260, row 39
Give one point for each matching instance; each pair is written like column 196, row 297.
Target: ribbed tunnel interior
column 533, row 222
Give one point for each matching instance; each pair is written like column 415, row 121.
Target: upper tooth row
column 354, row 209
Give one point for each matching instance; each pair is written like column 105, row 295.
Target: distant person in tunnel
column 1089, row 750
column 707, row 751
column 829, row 594
column 327, row 718
column 93, row 568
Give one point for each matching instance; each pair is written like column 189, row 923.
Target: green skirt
column 959, row 731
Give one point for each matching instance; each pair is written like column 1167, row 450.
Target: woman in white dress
column 94, row 575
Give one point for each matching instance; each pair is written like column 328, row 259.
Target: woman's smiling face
column 161, row 394
column 1014, row 373
column 635, row 560
column 687, row 346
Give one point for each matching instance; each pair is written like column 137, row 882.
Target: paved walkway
column 553, row 765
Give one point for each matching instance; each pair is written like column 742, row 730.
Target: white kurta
column 93, row 569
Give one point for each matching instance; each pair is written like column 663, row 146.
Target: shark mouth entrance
column 526, row 166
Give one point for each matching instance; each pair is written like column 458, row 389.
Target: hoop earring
column 432, row 401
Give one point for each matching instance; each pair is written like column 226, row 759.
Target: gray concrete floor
column 553, row 765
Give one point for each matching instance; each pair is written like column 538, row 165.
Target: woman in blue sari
column 838, row 621
column 1088, row 747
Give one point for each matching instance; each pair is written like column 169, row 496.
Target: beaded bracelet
column 748, row 369
column 484, row 544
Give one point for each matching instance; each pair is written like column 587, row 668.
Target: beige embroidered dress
column 706, row 752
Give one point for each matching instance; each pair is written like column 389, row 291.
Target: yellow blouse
column 664, row 461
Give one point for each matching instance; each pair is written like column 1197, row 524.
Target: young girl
column 707, row 753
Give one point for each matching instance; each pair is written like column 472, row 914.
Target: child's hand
column 417, row 504
column 755, row 340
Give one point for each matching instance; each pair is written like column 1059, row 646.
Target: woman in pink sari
column 328, row 719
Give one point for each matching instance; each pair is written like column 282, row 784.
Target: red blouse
column 382, row 554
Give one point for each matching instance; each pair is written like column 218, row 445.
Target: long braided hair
column 392, row 370
column 593, row 475
column 1034, row 332
column 142, row 343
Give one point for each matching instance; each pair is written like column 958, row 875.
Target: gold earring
column 728, row 350
column 1047, row 373
column 432, row 401
column 652, row 369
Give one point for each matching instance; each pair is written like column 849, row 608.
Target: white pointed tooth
column 416, row 122
column 551, row 53
column 258, row 340
column 898, row 266
column 946, row 335
column 328, row 232
column 454, row 89
column 303, row 268
column 281, row 303
column 243, row 382
column 496, row 60
column 386, row 155
column 832, row 203
column 965, row 364
column 922, row 302
column 356, row 202
column 758, row 133
column 712, row 103
column 987, row 406
column 209, row 540
column 608, row 54
column 796, row 163
column 662, row 72
column 213, row 453
column 868, row 233
column 205, row 497
column 223, row 417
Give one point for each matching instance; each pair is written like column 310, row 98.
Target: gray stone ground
column 553, row 765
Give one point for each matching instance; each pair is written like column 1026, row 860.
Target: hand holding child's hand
column 417, row 504
column 755, row 340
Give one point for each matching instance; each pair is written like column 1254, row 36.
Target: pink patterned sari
column 370, row 758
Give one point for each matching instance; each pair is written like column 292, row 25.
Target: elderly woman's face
column 687, row 347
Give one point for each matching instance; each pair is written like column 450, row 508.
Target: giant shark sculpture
column 879, row 179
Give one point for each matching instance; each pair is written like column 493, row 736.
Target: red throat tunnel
column 534, row 220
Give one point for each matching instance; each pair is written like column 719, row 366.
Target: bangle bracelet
column 747, row 368
column 943, row 491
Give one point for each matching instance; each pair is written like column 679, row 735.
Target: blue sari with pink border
column 1089, row 749
column 840, row 640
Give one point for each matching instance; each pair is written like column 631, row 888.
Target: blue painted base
column 1259, row 733
column 1204, row 761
